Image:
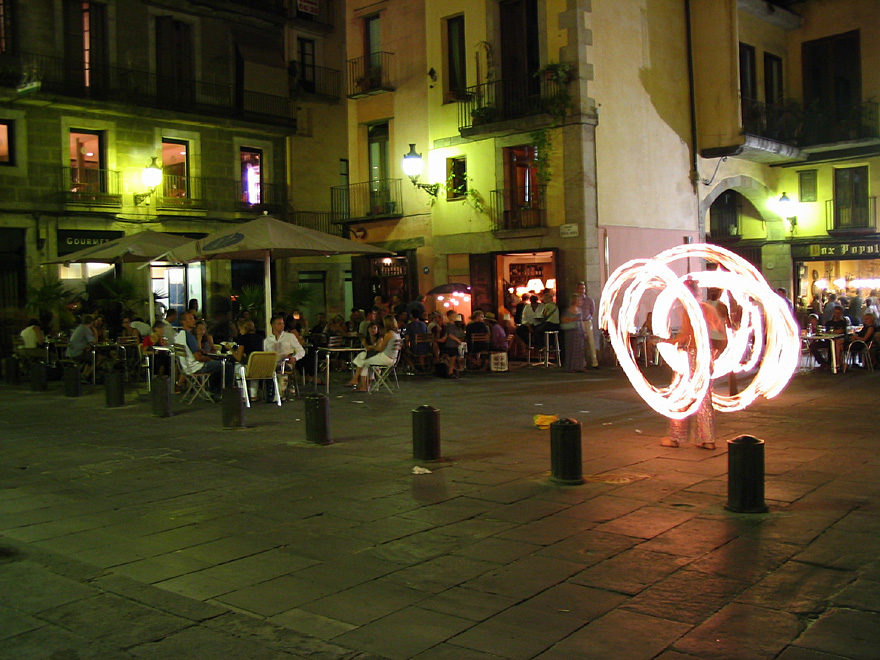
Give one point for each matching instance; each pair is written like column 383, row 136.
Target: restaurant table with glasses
column 830, row 338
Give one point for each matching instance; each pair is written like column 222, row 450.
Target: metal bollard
column 565, row 452
column 161, row 394
column 745, row 475
column 426, row 433
column 38, row 377
column 11, row 370
column 233, row 408
column 318, row 419
column 72, row 381
column 114, row 389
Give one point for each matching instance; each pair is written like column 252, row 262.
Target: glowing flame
column 767, row 331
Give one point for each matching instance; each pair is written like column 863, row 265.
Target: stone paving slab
column 177, row 539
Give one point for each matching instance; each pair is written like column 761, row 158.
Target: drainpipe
column 695, row 172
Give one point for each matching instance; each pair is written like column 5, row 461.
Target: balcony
column 316, row 14
column 181, row 193
column 790, row 122
column 142, row 88
column 93, row 187
column 858, row 217
column 510, row 99
column 371, row 200
column 519, row 208
column 322, row 221
column 315, row 80
column 369, row 75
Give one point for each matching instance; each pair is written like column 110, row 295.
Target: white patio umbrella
column 265, row 238
column 143, row 247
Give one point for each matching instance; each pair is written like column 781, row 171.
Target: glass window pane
column 251, row 175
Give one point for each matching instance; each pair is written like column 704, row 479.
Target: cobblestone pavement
column 123, row 535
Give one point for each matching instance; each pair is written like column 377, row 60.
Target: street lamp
column 787, row 211
column 412, row 166
column 151, row 176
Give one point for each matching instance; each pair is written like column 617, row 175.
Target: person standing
column 588, row 310
column 700, row 426
column 573, row 327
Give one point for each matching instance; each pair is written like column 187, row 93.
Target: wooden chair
column 260, row 366
column 478, row 358
column 420, row 351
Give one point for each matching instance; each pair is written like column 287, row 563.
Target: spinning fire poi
column 766, row 334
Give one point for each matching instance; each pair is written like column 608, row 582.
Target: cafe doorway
column 519, row 273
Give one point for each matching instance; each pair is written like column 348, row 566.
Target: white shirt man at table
column 284, row 344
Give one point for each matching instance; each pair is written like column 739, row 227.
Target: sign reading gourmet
column 866, row 249
column 71, row 240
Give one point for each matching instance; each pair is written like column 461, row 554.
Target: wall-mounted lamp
column 151, row 176
column 786, row 210
column 412, row 166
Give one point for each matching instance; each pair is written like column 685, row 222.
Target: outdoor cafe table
column 329, row 353
column 830, row 337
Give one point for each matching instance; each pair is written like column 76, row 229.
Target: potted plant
column 485, row 114
column 561, row 73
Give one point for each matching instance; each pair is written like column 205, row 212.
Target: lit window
column 7, row 154
column 86, row 162
column 251, row 175
column 175, row 167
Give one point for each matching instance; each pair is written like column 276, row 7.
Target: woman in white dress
column 382, row 354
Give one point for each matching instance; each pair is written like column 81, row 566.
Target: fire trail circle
column 766, row 334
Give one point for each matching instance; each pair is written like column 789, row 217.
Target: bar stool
column 552, row 348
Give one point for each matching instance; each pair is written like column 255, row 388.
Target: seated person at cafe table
column 866, row 334
column 196, row 361
column 32, row 340
column 81, row 345
column 836, row 326
column 284, row 344
column 381, row 354
column 161, row 359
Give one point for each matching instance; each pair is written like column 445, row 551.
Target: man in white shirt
column 533, row 315
column 286, row 345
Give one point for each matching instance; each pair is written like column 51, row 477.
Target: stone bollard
column 114, row 389
column 565, row 452
column 11, row 370
column 161, row 395
column 318, row 419
column 39, row 382
column 426, row 433
column 233, row 408
column 72, row 381
column 745, row 475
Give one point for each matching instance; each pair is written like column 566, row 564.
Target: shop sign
column 71, row 240
column 837, row 251
column 307, row 7
column 568, row 231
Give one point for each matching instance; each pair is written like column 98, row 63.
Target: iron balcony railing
column 320, row 12
column 315, row 79
column 123, row 85
column 790, row 122
column 96, row 187
column 372, row 199
column 519, row 208
column 369, row 74
column 851, row 216
column 317, row 220
column 511, row 98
